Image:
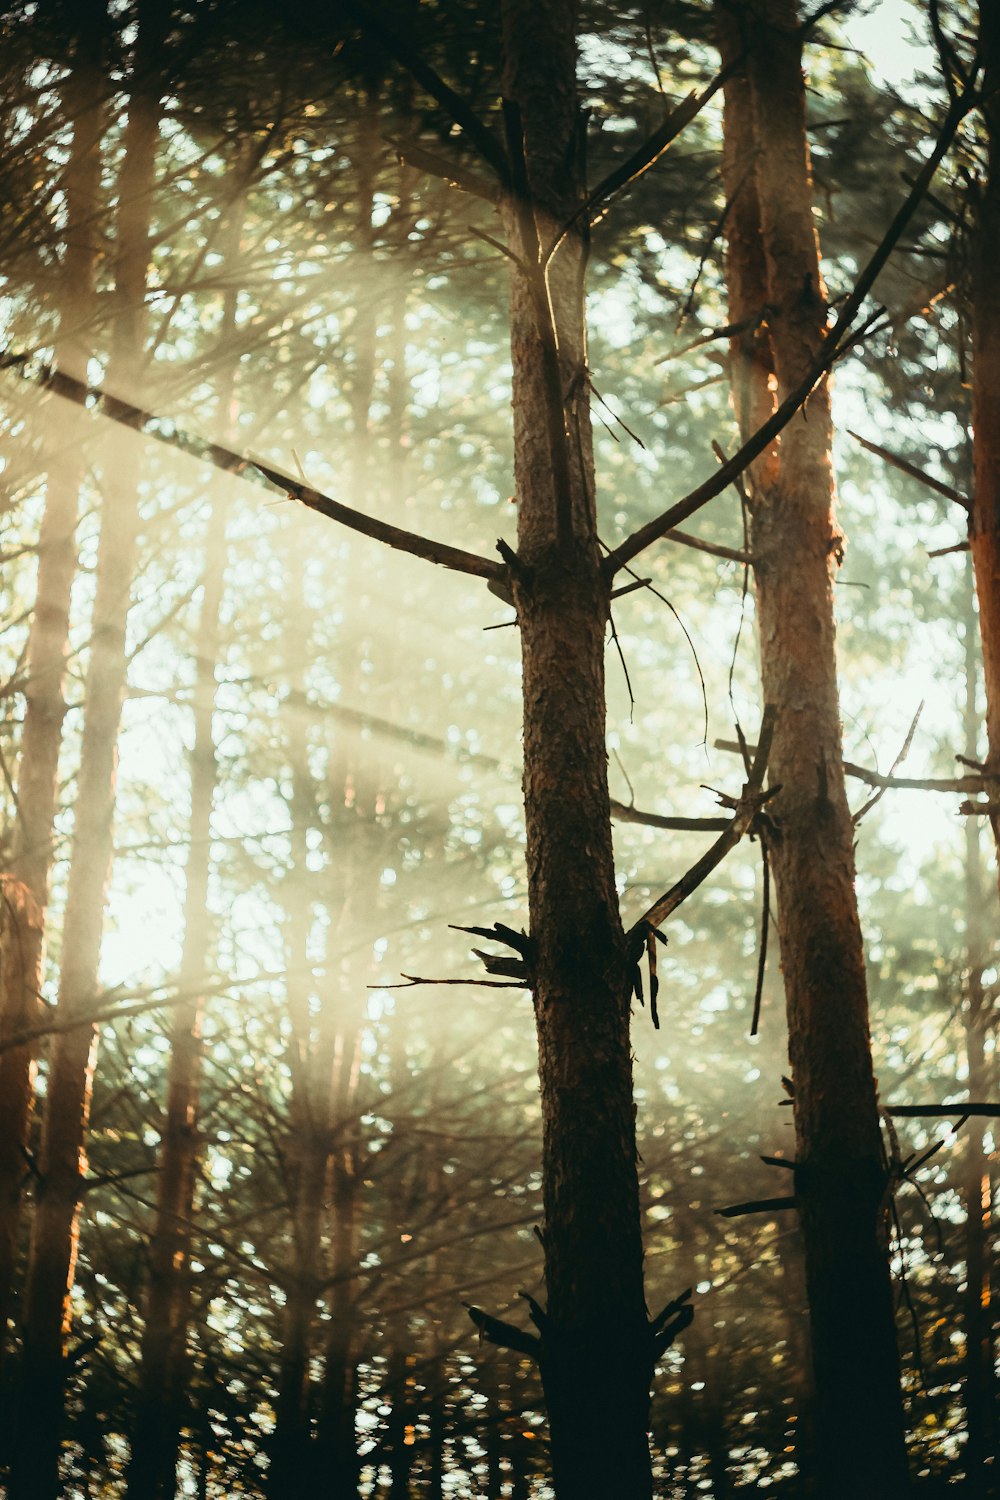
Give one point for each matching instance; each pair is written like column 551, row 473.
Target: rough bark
column 48, row 634
column 20, row 984
column 596, row 1359
column 980, row 1377
column 70, row 1076
column 773, row 271
column 984, row 521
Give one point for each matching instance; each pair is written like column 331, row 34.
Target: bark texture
column 977, row 1191
column 984, row 524
column 841, row 1180
column 596, row 1358
column 70, row 1078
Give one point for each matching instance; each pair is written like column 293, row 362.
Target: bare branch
column 140, row 420
column 904, row 752
column 971, row 784
column 906, row 467
column 837, row 339
column 746, row 809
column 758, row 1206
column 622, row 813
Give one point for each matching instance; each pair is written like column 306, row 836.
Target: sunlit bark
column 774, row 277
column 20, row 982
column 48, row 635
column 977, row 1191
column 70, row 1076
column 984, row 524
column 596, row 1361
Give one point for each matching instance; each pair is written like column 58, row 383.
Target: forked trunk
column 840, row 1177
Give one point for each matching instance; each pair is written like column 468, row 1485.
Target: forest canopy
column 499, row 739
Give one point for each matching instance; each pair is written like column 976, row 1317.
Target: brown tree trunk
column 70, row 1076
column 161, row 1398
column 307, row 1147
column 48, row 635
column 20, row 983
column 984, row 522
column 773, row 268
column 980, row 1377
column 596, row 1357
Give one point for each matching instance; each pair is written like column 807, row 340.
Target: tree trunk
column 984, row 521
column 596, row 1359
column 307, row 1146
column 48, row 635
column 980, row 1378
column 70, row 1077
column 20, row 983
column 773, row 268
column 162, row 1383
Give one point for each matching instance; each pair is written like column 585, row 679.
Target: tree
column 777, row 296
column 62, row 1163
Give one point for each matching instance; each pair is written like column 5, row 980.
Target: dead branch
column 624, row 813
column 837, row 338
column 905, row 466
column 904, row 752
column 140, row 420
column 893, row 783
column 504, row 1335
column 746, row 808
column 758, row 1206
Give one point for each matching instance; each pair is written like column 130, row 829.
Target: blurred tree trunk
column 336, row 1440
column 20, row 984
column 596, row 1359
column 70, row 1076
column 307, row 1148
column 984, row 521
column 164, row 1360
column 48, row 636
column 980, row 1377
column 773, row 271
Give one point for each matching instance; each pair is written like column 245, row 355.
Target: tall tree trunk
column 980, row 1377
column 336, row 1440
column 48, row 635
column 162, row 1384
column 984, row 522
column 161, row 1397
column 773, row 269
column 307, row 1146
column 20, row 983
column 70, row 1077
column 596, row 1360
